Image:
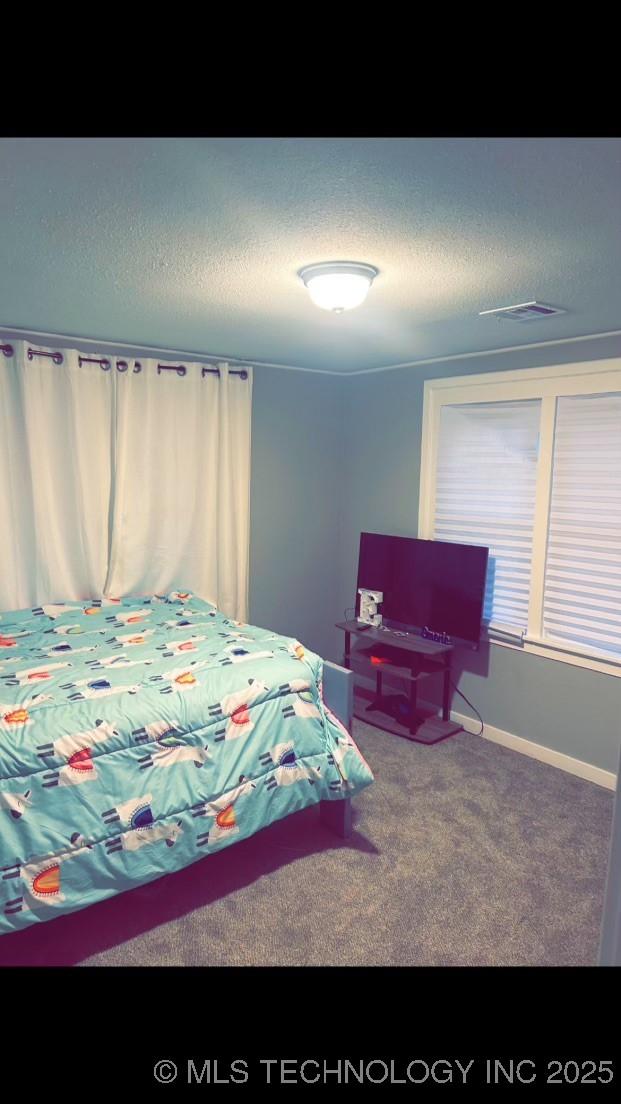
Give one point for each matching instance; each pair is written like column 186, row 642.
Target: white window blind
column 485, row 494
column 582, row 586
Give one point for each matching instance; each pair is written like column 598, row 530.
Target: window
column 582, row 583
column 485, row 494
column 529, row 464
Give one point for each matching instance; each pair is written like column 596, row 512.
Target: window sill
column 562, row 654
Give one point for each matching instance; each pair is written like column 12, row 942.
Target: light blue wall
column 568, row 708
column 296, row 495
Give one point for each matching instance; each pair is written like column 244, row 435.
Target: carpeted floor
column 464, row 853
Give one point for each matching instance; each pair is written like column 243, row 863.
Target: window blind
column 582, row 582
column 485, row 494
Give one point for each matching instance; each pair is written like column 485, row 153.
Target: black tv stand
column 408, row 657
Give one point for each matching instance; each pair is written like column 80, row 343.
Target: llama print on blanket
column 42, row 880
column 130, row 640
column 183, row 623
column 95, row 607
column 12, row 716
column 15, row 804
column 289, row 768
column 66, row 746
column 225, row 822
column 302, row 705
column 95, row 688
column 156, row 730
column 235, row 708
column 294, row 686
column 139, row 827
column 75, row 630
column 33, row 674
column 66, row 649
column 194, row 616
column 179, row 680
column 54, row 611
column 179, row 647
column 135, row 838
column 337, row 758
column 133, row 617
column 8, row 642
column 76, row 748
column 238, row 724
column 174, row 596
column 170, row 750
column 236, row 653
column 116, row 661
column 343, row 747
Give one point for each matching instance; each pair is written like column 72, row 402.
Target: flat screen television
column 433, row 587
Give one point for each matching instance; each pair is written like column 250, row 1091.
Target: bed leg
column 336, row 815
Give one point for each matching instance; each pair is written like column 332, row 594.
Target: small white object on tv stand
column 369, row 601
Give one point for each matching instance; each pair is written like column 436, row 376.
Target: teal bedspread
column 138, row 735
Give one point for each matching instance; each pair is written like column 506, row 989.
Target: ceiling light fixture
column 338, row 285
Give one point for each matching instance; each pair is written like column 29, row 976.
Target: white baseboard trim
column 591, row 773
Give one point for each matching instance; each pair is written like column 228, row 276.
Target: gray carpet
column 463, row 853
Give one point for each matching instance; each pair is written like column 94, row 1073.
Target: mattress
column 139, row 735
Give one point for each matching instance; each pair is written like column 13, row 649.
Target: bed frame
column 338, row 695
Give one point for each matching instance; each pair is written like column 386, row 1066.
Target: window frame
column 547, row 384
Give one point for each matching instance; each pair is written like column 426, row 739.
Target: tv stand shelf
column 411, row 658
column 362, row 665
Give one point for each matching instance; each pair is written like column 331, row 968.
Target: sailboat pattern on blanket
column 138, row 735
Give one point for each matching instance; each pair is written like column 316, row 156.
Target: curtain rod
column 144, row 349
column 105, row 363
column 121, row 365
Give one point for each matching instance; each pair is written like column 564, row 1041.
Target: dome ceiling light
column 338, row 285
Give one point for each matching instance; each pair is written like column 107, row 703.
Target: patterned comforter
column 138, row 735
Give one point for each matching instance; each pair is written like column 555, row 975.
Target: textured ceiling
column 194, row 244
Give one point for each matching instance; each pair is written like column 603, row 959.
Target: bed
column 138, row 735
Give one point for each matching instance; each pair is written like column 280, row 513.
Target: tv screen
column 436, row 585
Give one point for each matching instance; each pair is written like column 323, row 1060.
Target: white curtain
column 121, row 482
column 55, row 477
column 181, row 502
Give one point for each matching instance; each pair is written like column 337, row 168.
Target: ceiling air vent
column 524, row 312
